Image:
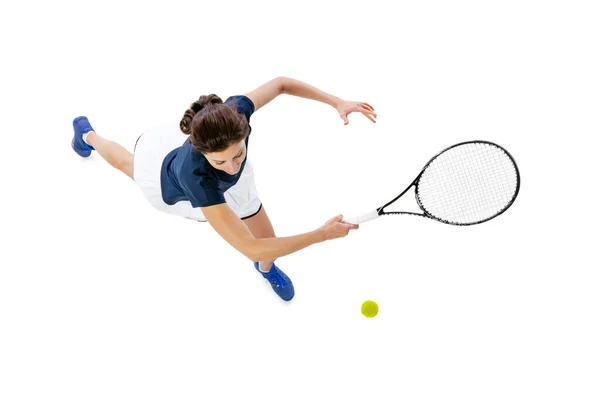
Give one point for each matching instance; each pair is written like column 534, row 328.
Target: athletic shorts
column 151, row 149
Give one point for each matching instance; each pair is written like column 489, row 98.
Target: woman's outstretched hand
column 346, row 108
column 336, row 228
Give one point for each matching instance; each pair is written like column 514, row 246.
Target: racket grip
column 362, row 218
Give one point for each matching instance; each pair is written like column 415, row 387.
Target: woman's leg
column 261, row 227
column 115, row 154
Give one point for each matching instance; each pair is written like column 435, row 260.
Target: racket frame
column 415, row 183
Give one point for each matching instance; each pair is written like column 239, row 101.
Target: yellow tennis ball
column 369, row 309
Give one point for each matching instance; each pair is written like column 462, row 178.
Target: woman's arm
column 300, row 89
column 267, row 92
column 231, row 228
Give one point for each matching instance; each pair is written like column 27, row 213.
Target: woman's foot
column 81, row 125
column 280, row 282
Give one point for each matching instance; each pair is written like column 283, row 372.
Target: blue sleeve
column 245, row 106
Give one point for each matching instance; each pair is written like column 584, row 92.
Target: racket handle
column 362, row 218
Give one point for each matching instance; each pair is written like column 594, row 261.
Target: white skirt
column 150, row 151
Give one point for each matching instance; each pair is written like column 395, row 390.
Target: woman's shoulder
column 243, row 104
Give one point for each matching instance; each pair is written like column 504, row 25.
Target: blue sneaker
column 81, row 125
column 280, row 282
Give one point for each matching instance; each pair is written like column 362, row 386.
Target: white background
column 102, row 297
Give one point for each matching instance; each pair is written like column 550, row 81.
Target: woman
column 206, row 176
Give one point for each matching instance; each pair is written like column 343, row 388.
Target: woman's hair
column 212, row 125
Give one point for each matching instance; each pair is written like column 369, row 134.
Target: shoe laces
column 275, row 277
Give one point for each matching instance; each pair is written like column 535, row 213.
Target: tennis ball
column 369, row 309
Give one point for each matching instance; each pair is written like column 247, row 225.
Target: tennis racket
column 465, row 184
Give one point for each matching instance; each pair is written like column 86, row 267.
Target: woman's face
column 230, row 159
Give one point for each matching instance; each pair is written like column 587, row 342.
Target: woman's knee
column 260, row 226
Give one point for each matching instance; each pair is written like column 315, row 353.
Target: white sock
column 260, row 269
column 84, row 137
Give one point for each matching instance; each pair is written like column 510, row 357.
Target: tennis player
column 199, row 170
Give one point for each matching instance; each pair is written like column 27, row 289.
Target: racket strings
column 468, row 183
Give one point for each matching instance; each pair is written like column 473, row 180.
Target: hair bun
column 186, row 122
column 203, row 102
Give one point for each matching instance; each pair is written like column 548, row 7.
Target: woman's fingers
column 337, row 218
column 368, row 111
column 367, row 105
column 370, row 115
